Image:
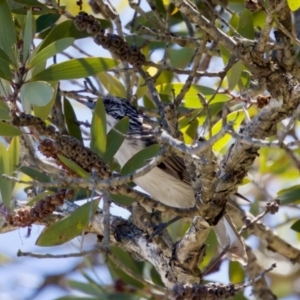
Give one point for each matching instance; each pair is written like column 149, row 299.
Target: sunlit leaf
column 236, row 272
column 98, row 129
column 293, row 4
column 9, row 130
column 73, row 166
column 140, row 159
column 115, row 138
column 112, row 84
column 191, row 100
column 69, row 227
column 38, row 93
column 76, row 68
column 236, row 117
column 14, row 154
column 6, row 186
column 51, row 50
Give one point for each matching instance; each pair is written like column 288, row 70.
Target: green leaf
column 191, row 99
column 9, row 130
column 74, row 167
column 234, row 75
column 8, row 32
column 128, row 261
column 236, row 272
column 76, row 68
column 5, row 72
column 236, row 117
column 6, row 186
column 246, row 27
column 66, row 29
column 34, row 200
column 69, row 227
column 14, row 154
column 23, row 6
column 293, row 4
column 140, row 159
column 38, row 93
column 98, row 129
column 112, row 84
column 70, row 119
column 43, row 111
column 28, row 34
column 4, row 111
column 289, row 195
column 51, row 50
column 35, row 174
column 296, row 226
column 46, row 21
column 87, row 288
column 115, row 138
column 190, row 131
column 122, row 199
column 5, row 57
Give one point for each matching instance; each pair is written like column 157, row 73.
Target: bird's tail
column 228, row 236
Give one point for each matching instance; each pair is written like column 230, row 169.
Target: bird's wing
column 175, row 166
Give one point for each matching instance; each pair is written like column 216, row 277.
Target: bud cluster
column 210, row 291
column 26, row 216
column 112, row 42
column 36, row 122
column 73, row 149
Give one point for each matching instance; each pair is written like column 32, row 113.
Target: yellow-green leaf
column 115, row 138
column 76, row 68
column 73, row 166
column 69, row 227
column 236, row 117
column 98, row 129
column 6, row 186
column 293, row 4
column 9, row 130
column 112, row 84
column 140, row 159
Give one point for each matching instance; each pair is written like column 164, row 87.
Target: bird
column 169, row 181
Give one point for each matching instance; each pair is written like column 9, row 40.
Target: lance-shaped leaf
column 140, row 159
column 73, row 166
column 296, row 226
column 76, row 68
column 290, row 195
column 35, row 174
column 9, row 130
column 115, row 138
column 23, row 6
column 236, row 117
column 14, row 155
column 51, row 50
column 4, row 111
column 8, row 31
column 70, row 118
column 29, row 32
column 46, row 21
column 191, row 99
column 4, row 70
column 98, row 129
column 6, row 186
column 69, row 227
